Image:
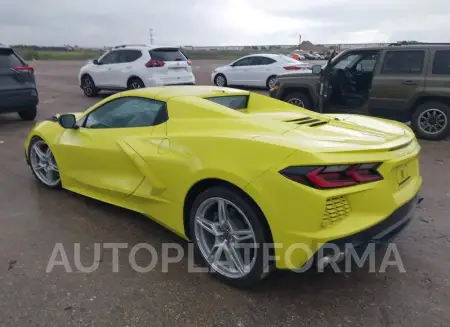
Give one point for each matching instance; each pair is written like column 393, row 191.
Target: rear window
column 8, row 59
column 235, row 102
column 441, row 64
column 167, row 54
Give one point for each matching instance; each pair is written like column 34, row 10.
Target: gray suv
column 18, row 91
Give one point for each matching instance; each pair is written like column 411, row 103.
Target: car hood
column 330, row 133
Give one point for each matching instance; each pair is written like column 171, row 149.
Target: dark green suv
column 407, row 83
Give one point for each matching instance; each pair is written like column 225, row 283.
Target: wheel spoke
column 222, row 212
column 207, row 225
column 216, row 253
column 233, row 256
column 242, row 235
column 38, row 166
column 41, row 154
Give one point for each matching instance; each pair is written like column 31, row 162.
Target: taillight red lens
column 189, row 62
column 154, row 63
column 334, row 176
column 24, row 68
column 292, row 67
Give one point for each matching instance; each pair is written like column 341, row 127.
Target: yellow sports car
column 255, row 183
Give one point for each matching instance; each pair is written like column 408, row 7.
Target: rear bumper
column 182, row 80
column 378, row 236
column 15, row 100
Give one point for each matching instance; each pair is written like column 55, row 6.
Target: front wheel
column 229, row 236
column 431, row 121
column 220, row 80
column 43, row 164
column 298, row 99
column 88, row 86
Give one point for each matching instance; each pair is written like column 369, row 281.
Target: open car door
column 325, row 86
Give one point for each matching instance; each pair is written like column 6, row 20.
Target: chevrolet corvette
column 233, row 171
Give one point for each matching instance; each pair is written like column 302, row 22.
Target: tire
column 135, row 83
column 220, row 80
column 441, row 121
column 299, row 99
column 238, row 206
column 270, row 82
column 36, row 160
column 88, row 86
column 28, row 114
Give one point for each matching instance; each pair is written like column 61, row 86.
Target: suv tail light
column 189, row 62
column 154, row 63
column 292, row 68
column 24, row 69
column 334, row 176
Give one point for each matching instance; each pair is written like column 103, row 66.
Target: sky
column 100, row 23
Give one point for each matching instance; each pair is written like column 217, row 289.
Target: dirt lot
column 33, row 219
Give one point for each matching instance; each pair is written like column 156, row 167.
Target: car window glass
column 8, row 59
column 347, row 61
column 367, row 64
column 167, row 54
column 260, row 61
column 235, row 102
column 127, row 112
column 109, row 58
column 403, row 62
column 441, row 63
column 243, row 62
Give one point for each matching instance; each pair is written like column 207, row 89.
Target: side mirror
column 68, row 121
column 95, row 62
column 316, row 69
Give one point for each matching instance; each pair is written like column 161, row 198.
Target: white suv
column 135, row 66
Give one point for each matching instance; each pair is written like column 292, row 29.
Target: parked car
column 18, row 92
column 297, row 55
column 309, row 56
column 258, row 70
column 408, row 83
column 135, row 66
column 237, row 172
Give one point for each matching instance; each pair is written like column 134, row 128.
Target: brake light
column 189, row 62
column 154, row 63
column 292, row 68
column 24, row 69
column 334, row 176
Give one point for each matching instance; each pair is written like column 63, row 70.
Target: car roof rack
column 130, row 45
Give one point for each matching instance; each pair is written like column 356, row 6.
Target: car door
column 102, row 72
column 121, row 70
column 238, row 74
column 97, row 156
column 397, row 79
column 260, row 70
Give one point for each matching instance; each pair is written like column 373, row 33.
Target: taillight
column 334, row 176
column 154, row 63
column 24, row 69
column 189, row 62
column 292, row 68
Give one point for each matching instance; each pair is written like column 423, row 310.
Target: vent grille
column 336, row 209
column 312, row 122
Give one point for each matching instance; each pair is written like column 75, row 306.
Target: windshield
column 347, row 62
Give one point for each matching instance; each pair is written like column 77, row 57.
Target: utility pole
column 299, row 40
column 151, row 35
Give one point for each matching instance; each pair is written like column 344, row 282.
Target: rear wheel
column 299, row 99
column 135, row 83
column 220, row 80
column 229, row 236
column 28, row 114
column 270, row 82
column 88, row 86
column 431, row 121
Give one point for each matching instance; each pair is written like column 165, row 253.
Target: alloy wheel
column 225, row 237
column 220, row 80
column 271, row 83
column 87, row 86
column 43, row 164
column 297, row 102
column 433, row 121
